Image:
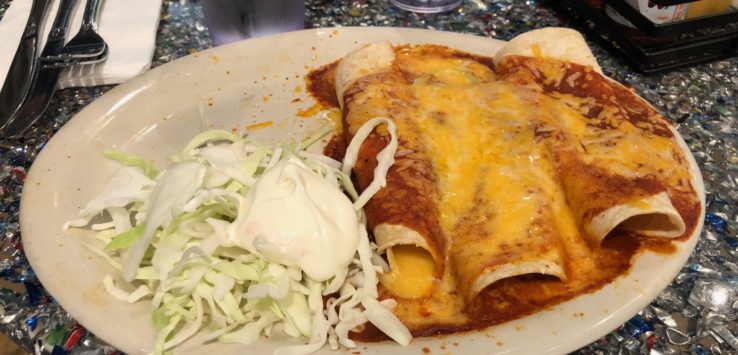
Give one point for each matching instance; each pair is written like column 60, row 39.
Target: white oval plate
column 243, row 83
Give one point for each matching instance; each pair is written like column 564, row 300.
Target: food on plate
column 520, row 181
column 493, row 188
column 236, row 240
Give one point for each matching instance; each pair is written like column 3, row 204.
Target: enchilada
column 521, row 181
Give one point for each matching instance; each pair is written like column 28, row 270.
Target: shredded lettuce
column 170, row 237
column 125, row 239
column 126, row 159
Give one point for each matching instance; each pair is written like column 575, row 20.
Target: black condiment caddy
column 654, row 47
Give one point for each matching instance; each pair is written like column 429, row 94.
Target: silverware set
column 32, row 78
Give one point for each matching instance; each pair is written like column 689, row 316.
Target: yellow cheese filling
column 412, row 272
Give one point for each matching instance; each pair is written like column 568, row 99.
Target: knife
column 18, row 81
column 43, row 79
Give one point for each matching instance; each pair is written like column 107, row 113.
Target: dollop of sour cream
column 298, row 218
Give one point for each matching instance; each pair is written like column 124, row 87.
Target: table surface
column 696, row 314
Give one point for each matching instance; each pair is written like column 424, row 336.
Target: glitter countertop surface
column 696, row 314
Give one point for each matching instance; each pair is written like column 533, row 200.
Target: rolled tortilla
column 603, row 189
column 403, row 215
column 652, row 216
column 518, row 241
column 551, row 42
column 603, row 202
column 373, row 58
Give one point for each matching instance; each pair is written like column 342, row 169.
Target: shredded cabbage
column 168, row 234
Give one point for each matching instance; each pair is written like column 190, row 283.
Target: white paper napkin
column 128, row 26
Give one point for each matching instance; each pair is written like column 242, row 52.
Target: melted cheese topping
column 448, row 70
column 623, row 148
column 498, row 190
column 495, row 187
column 477, row 157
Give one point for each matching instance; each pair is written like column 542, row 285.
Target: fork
column 87, row 43
column 75, row 61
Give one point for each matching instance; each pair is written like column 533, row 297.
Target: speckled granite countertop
column 696, row 314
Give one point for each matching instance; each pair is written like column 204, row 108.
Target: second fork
column 86, row 44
